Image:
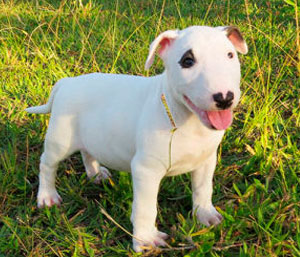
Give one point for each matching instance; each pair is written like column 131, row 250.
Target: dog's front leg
column 146, row 180
column 202, row 193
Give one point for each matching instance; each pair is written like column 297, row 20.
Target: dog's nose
column 222, row 103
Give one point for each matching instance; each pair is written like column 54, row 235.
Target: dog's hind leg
column 52, row 155
column 60, row 143
column 93, row 169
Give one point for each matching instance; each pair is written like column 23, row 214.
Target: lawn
column 257, row 181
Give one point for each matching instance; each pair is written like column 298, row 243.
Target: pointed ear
column 163, row 41
column 236, row 38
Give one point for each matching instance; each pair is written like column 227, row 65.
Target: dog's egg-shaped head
column 203, row 70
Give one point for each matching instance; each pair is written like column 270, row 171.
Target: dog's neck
column 180, row 113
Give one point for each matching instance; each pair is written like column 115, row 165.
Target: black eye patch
column 187, row 60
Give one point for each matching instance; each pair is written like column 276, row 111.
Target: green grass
column 257, row 181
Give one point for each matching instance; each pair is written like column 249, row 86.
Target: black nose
column 222, row 103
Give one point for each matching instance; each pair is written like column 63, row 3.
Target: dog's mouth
column 219, row 120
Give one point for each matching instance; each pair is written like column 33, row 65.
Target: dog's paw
column 209, row 216
column 147, row 241
column 103, row 174
column 48, row 198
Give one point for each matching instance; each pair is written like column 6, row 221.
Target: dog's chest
column 189, row 150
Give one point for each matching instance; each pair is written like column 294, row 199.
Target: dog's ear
column 236, row 38
column 163, row 41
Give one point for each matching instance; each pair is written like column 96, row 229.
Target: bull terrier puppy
column 119, row 122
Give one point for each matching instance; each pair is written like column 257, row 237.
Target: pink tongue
column 220, row 119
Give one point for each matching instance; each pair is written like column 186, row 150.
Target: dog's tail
column 45, row 108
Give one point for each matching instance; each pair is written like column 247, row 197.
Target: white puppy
column 120, row 122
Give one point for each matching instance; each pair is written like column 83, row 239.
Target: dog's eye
column 230, row 55
column 187, row 60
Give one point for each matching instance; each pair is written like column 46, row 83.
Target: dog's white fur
column 120, row 122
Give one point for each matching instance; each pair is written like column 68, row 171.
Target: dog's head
column 203, row 70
